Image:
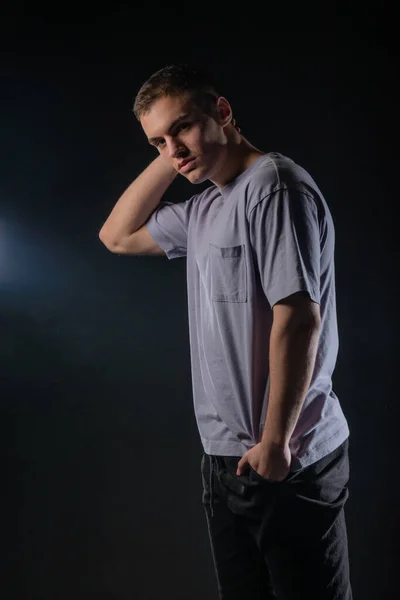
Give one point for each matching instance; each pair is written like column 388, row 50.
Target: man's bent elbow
column 110, row 244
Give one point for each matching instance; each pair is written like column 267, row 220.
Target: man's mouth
column 185, row 165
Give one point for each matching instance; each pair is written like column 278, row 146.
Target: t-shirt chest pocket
column 228, row 273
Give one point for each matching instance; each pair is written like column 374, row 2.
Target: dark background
column 101, row 486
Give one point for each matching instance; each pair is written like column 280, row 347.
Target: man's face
column 179, row 131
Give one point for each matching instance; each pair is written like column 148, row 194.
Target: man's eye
column 181, row 126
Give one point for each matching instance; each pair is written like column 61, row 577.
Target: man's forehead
column 166, row 108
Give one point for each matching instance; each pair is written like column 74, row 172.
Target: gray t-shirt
column 267, row 234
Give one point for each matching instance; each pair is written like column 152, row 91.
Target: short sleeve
column 285, row 238
column 168, row 226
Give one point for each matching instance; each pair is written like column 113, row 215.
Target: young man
column 259, row 244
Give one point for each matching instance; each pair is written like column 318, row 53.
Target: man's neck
column 238, row 158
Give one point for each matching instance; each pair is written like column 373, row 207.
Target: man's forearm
column 292, row 358
column 138, row 201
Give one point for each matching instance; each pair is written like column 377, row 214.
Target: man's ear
column 224, row 111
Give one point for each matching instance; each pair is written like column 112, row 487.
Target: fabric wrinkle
column 213, row 460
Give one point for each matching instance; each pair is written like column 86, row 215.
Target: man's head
column 184, row 117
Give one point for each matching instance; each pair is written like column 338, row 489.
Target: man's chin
column 195, row 176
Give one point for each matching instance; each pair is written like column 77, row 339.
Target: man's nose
column 176, row 150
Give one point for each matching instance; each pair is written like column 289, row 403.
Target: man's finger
column 241, row 464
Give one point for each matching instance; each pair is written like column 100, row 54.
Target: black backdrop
column 100, row 451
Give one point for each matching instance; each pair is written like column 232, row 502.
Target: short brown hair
column 178, row 80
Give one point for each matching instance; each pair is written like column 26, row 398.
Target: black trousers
column 279, row 540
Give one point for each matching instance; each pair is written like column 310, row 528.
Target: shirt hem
column 237, row 449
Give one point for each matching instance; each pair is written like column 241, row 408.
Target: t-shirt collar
column 227, row 189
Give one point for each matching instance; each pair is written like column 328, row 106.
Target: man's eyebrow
column 172, row 125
